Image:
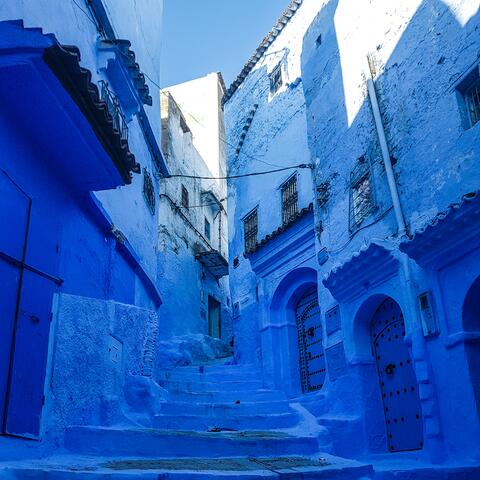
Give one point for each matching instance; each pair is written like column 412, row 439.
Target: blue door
column 398, row 383
column 28, row 255
column 310, row 342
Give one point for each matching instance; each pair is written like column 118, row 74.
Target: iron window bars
column 289, row 200
column 472, row 99
column 148, row 191
column 276, row 80
column 114, row 109
column 362, row 202
column 250, row 231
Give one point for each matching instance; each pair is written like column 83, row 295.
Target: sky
column 204, row 36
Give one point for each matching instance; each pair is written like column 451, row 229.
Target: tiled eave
column 293, row 243
column 369, row 267
column 64, row 61
column 128, row 58
column 450, row 235
column 271, row 236
column 287, row 15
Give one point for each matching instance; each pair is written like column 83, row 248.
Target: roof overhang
column 49, row 98
column 366, row 269
column 214, row 262
column 449, row 236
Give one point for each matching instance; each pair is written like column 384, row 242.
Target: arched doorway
column 471, row 323
column 398, row 383
column 310, row 341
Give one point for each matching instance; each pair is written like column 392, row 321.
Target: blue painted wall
column 420, row 53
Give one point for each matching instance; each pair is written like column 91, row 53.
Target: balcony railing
column 114, row 109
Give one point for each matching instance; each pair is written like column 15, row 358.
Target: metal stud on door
column 312, row 358
column 398, row 383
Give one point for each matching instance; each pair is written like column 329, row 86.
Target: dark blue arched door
column 310, row 342
column 398, row 383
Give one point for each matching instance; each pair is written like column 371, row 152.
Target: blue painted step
column 214, row 408
column 105, row 441
column 233, row 421
column 225, row 396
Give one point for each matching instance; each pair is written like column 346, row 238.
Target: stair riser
column 225, row 397
column 236, row 422
column 201, row 409
column 104, row 443
column 186, row 377
column 211, row 386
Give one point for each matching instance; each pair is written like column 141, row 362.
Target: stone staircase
column 218, row 422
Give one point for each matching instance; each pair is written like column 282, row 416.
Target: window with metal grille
column 276, row 80
column 185, row 199
column 148, row 191
column 207, row 229
column 361, row 193
column 472, row 99
column 250, row 230
column 289, row 200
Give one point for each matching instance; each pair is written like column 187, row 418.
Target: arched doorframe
column 373, row 406
column 471, row 326
column 280, row 335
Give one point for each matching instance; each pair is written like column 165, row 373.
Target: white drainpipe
column 402, row 230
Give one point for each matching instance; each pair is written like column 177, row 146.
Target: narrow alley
column 271, row 272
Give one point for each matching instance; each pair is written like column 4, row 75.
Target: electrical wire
column 86, row 14
column 252, row 174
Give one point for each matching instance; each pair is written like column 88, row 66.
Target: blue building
column 79, row 185
column 363, row 307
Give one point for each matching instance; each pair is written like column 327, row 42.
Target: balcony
column 214, row 262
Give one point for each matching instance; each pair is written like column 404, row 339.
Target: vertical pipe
column 402, row 230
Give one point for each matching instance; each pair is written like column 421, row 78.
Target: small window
column 472, row 100
column 148, row 191
column 289, row 200
column 276, row 80
column 250, row 231
column 185, row 199
column 318, row 41
column 469, row 89
column 361, row 193
column 207, row 229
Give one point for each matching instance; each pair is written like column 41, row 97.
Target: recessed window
column 207, row 229
column 276, row 80
column 185, row 199
column 318, row 41
column 250, row 231
column 361, row 193
column 289, row 200
column 472, row 99
column 469, row 89
column 148, row 191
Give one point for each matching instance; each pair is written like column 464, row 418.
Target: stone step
column 233, row 421
column 228, row 396
column 192, row 374
column 254, row 468
column 226, row 408
column 108, row 441
column 202, row 386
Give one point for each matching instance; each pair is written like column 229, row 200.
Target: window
column 207, row 229
column 472, row 99
column 276, row 80
column 185, row 199
column 361, row 193
column 469, row 89
column 289, row 200
column 148, row 191
column 250, row 230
